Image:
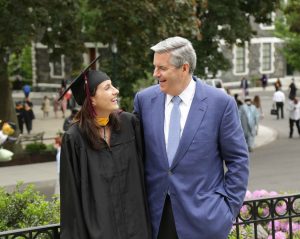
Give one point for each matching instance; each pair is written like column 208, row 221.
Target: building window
column 240, row 60
column 271, row 25
column 57, row 68
column 266, row 59
column 266, row 56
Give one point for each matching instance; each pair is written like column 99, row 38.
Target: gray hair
column 181, row 50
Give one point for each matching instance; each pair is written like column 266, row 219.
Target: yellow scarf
column 102, row 121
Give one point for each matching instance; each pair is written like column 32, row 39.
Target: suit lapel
column 193, row 122
column 158, row 119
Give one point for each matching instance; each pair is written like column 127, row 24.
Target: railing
column 266, row 216
column 42, row 232
column 254, row 219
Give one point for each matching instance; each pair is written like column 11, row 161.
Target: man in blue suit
column 190, row 194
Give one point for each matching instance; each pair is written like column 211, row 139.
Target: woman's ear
column 93, row 101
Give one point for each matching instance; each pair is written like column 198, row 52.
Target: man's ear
column 186, row 67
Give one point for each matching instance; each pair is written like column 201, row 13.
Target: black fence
column 267, row 217
column 259, row 218
column 42, row 232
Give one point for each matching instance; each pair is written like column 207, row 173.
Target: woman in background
column 294, row 115
column 257, row 104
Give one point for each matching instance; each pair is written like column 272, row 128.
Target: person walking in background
column 257, row 103
column 69, row 120
column 237, row 100
column 20, row 115
column 102, row 186
column 45, row 106
column 293, row 90
column 249, row 119
column 28, row 114
column 63, row 103
column 56, row 104
column 191, row 131
column 26, row 90
column 278, row 99
column 244, row 86
column 264, row 81
column 294, row 115
column 57, row 145
column 277, row 84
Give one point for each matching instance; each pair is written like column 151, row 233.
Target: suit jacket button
column 170, row 172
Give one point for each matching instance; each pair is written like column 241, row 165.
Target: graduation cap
column 85, row 83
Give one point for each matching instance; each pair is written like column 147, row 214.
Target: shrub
column 26, row 207
column 35, row 147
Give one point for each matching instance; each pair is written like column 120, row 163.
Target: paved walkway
column 44, row 175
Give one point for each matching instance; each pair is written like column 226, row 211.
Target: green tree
column 229, row 21
column 54, row 23
column 21, row 64
column 288, row 28
column 136, row 25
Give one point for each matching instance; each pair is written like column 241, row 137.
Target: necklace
column 103, row 123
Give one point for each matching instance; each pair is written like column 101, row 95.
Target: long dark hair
column 89, row 127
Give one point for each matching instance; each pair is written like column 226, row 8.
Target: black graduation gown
column 102, row 191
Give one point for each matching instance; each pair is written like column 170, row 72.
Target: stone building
column 262, row 55
column 50, row 74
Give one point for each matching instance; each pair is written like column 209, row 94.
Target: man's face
column 171, row 80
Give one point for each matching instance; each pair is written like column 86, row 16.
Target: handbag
column 273, row 110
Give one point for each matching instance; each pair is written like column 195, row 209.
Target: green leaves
column 288, row 28
column 25, row 207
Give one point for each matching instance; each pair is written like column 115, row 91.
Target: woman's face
column 105, row 99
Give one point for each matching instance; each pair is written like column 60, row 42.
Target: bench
column 31, row 137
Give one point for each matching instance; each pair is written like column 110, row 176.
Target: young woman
column 101, row 173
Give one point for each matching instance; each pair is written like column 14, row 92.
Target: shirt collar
column 187, row 95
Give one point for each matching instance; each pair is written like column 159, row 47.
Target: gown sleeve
column 72, row 222
column 141, row 156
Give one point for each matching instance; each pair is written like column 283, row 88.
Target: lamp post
column 114, row 51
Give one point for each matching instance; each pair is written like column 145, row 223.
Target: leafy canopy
column 137, row 25
column 288, row 28
column 54, row 23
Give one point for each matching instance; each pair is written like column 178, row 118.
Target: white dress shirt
column 278, row 96
column 187, row 97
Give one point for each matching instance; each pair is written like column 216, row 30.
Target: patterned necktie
column 174, row 129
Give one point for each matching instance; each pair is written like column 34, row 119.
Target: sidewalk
column 265, row 136
column 44, row 175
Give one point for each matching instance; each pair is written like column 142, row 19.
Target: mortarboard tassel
column 87, row 91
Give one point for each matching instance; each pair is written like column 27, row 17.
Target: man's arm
column 234, row 152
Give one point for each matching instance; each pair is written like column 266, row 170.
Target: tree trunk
column 7, row 107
